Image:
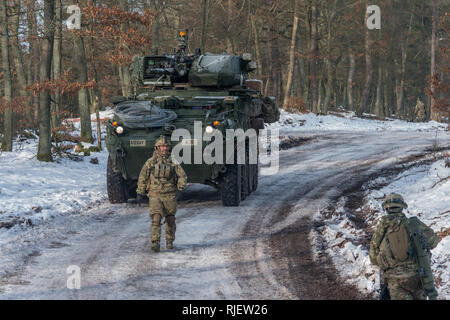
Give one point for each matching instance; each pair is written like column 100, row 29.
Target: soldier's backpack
column 396, row 246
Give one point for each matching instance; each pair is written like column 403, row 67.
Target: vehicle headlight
column 209, row 129
column 119, row 130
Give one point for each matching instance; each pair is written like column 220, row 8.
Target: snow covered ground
column 348, row 122
column 33, row 192
column 426, row 189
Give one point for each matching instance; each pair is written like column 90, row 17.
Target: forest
column 312, row 55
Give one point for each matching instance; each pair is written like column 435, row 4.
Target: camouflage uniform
column 402, row 280
column 419, row 111
column 161, row 177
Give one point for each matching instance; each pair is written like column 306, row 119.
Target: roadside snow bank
column 426, row 189
column 32, row 191
column 348, row 122
column 346, row 233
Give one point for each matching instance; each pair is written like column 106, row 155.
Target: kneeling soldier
column 161, row 177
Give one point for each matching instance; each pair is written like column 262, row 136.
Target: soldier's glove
column 140, row 198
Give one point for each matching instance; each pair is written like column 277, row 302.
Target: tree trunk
column 331, row 12
column 401, row 89
column 378, row 104
column 204, row 24
column 17, row 54
column 277, row 86
column 314, row 83
column 44, row 149
column 99, row 129
column 351, row 73
column 34, row 59
column 94, row 93
column 387, row 111
column 229, row 27
column 433, row 112
column 362, row 106
column 156, row 39
column 8, row 123
column 125, row 76
column 291, row 64
column 83, row 98
column 57, row 62
column 257, row 47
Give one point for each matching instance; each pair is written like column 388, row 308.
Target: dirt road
column 260, row 250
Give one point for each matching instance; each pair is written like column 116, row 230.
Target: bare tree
column 205, row 4
column 124, row 72
column 56, row 63
column 291, row 63
column 80, row 65
column 15, row 48
column 8, row 123
column 351, row 73
column 433, row 114
column 44, row 149
column 34, row 59
column 314, row 51
column 365, row 96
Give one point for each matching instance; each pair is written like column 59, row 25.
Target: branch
column 440, row 181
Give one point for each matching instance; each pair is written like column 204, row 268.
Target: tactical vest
column 162, row 178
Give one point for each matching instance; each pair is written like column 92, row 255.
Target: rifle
column 422, row 258
column 384, row 290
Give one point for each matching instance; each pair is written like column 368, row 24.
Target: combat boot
column 155, row 246
column 169, row 245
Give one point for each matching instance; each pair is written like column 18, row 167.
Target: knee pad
column 170, row 219
column 156, row 220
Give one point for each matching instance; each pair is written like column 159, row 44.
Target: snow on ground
column 348, row 121
column 104, row 115
column 32, row 191
column 426, row 189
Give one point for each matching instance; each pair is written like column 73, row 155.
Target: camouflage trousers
column 163, row 206
column 408, row 288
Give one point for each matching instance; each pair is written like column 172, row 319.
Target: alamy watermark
column 241, row 147
column 373, row 14
column 74, row 21
column 74, row 278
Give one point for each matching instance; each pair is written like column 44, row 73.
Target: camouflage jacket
column 161, row 175
column 408, row 267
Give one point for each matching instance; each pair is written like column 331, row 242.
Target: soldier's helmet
column 394, row 200
column 162, row 141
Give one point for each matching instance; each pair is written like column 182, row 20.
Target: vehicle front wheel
column 116, row 185
column 230, row 188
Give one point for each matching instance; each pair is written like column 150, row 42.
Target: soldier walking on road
column 401, row 248
column 161, row 177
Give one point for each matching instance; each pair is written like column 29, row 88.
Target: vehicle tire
column 230, row 187
column 245, row 178
column 116, row 186
column 244, row 182
column 255, row 172
column 255, row 176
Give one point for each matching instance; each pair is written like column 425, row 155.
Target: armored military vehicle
column 172, row 91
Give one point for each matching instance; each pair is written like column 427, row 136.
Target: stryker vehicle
column 171, row 92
